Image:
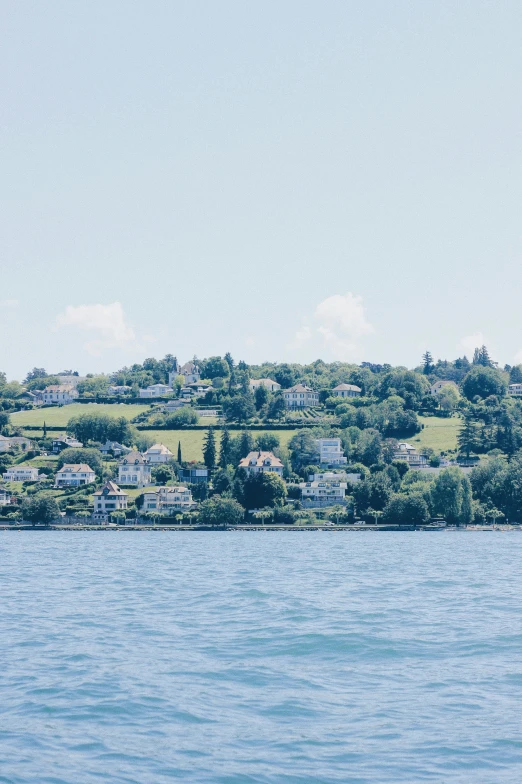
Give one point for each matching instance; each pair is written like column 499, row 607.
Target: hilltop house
column 74, row 475
column 158, row 453
column 113, row 448
column 59, row 394
column 330, row 451
column 109, row 499
column 119, row 390
column 410, row 455
column 12, row 442
column 155, row 390
column 438, row 386
column 134, row 470
column 347, row 390
column 300, row 396
column 260, row 462
column 515, row 390
column 59, row 444
column 323, row 493
column 193, row 476
column 168, row 499
column 330, row 476
column 21, row 474
column 271, row 386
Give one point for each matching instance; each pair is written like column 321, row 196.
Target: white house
column 21, row 474
column 5, row 497
column 59, row 394
column 330, row 451
column 74, row 475
column 109, row 499
column 347, row 390
column 515, row 390
column 410, row 455
column 59, row 444
column 438, row 386
column 155, row 390
column 168, row 499
column 300, row 396
column 323, row 493
column 190, row 372
column 272, row 386
column 158, row 453
column 134, row 470
column 11, row 442
column 259, row 462
column 330, row 476
column 113, row 448
column 119, row 390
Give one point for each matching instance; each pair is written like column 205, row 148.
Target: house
column 21, row 474
column 271, row 386
column 134, row 470
column 14, row 442
column 168, row 499
column 109, row 499
column 300, row 396
column 323, row 493
column 330, row 476
column 330, row 451
column 158, row 453
column 174, row 372
column 410, row 455
column 173, row 405
column 193, row 476
column 190, row 372
column 515, row 390
column 155, row 390
column 438, row 386
column 121, row 390
column 186, row 393
column 5, row 497
column 59, row 444
column 347, row 390
column 260, row 462
column 198, row 389
column 74, row 475
column 113, row 448
column 59, row 394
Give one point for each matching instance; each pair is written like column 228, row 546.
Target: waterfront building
column 330, row 451
column 74, row 475
column 300, row 396
column 134, row 470
column 260, row 462
column 20, row 473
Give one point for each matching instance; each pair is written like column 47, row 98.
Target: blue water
column 260, row 657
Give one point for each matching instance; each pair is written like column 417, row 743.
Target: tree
column 267, row 442
column 4, row 422
column 240, row 407
column 221, row 511
column 163, row 473
column 179, row 453
column 223, row 480
column 215, row 367
column 448, row 398
column 427, row 363
column 183, row 416
column 264, row 489
column 450, row 496
column 276, row 407
column 483, row 382
column 40, row 508
column 468, row 437
column 225, row 449
column 406, row 510
column 261, row 397
column 303, row 449
column 481, row 357
column 91, row 457
column 209, row 449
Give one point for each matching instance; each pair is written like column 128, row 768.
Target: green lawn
column 439, row 434
column 192, row 440
column 58, row 416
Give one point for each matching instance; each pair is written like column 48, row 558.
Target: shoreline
column 272, row 528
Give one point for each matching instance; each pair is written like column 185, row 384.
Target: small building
column 118, row 391
column 134, row 470
column 21, row 474
column 323, row 493
column 109, row 499
column 158, row 453
column 300, row 396
column 174, row 405
column 113, row 448
column 59, row 444
column 410, row 455
column 268, row 383
column 59, row 394
column 438, row 386
column 347, row 390
column 155, row 390
column 168, row 499
column 515, row 390
column 261, row 462
column 330, row 476
column 198, row 390
column 14, row 442
column 193, row 476
column 5, row 497
column 74, row 475
column 330, row 451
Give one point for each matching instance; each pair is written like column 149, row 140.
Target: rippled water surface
column 260, row 657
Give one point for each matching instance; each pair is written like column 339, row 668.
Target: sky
column 281, row 180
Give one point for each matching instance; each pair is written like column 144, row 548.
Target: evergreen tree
column 45, row 430
column 427, row 363
column 229, row 361
column 468, row 438
column 179, row 453
column 225, row 451
column 209, row 449
column 481, row 357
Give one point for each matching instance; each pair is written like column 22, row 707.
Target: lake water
column 234, row 658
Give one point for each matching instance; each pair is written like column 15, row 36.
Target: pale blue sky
column 284, row 180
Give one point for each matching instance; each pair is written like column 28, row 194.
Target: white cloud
column 338, row 327
column 469, row 343
column 105, row 326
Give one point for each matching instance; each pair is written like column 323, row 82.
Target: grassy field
column 439, row 434
column 192, row 440
column 58, row 416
